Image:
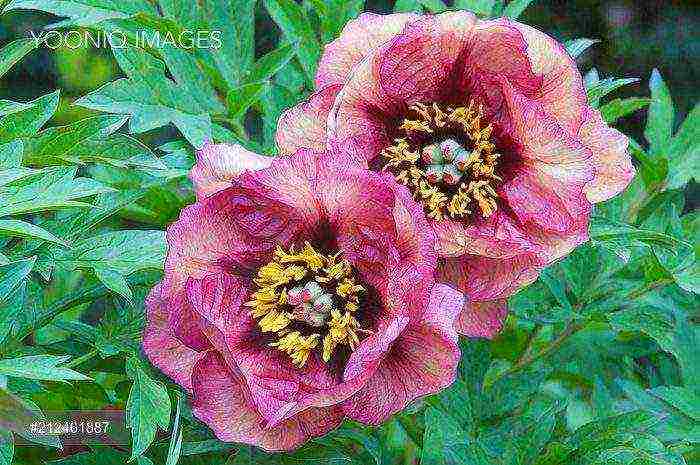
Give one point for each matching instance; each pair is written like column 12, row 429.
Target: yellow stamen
column 297, row 346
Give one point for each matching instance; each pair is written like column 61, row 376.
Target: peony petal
column 304, row 125
column 421, row 361
column 562, row 93
column 482, row 319
column 218, row 164
column 496, row 236
column 614, row 169
column 358, row 38
column 483, row 278
column 162, row 347
column 222, row 401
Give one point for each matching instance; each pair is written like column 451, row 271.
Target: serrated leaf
column 55, row 189
column 147, row 409
column 290, row 17
column 619, row 108
column 152, row 99
column 56, row 145
column 40, row 367
column 27, row 122
column 576, row 47
column 515, row 8
column 124, row 252
column 661, row 114
column 17, row 228
column 14, row 52
column 83, row 12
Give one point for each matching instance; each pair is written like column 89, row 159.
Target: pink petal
column 218, row 164
column 304, row 125
column 562, row 93
column 614, row 169
column 421, row 361
column 497, row 236
column 358, row 38
column 162, row 347
column 447, row 58
column 482, row 319
column 222, row 401
column 483, row 278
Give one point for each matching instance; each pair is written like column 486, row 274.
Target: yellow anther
column 274, row 321
column 297, row 346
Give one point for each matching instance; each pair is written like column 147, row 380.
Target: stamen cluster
column 448, row 177
column 306, row 299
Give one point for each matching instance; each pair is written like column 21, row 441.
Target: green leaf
column 290, row 17
column 446, row 443
column 147, row 409
column 496, row 370
column 11, row 154
column 576, row 47
column 7, row 447
column 269, row 64
column 124, row 252
column 235, row 20
column 19, row 228
column 175, row 446
column 55, row 189
column 151, row 98
column 7, row 107
column 114, row 281
column 14, row 52
column 661, row 114
column 241, row 98
column 27, row 122
column 56, row 145
column 619, row 108
column 684, row 399
column 603, row 87
column 684, row 152
column 480, row 7
column 84, row 12
column 515, row 8
column 12, row 275
column 40, row 367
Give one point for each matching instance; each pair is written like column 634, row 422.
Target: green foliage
column 597, row 362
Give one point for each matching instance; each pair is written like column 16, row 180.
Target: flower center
column 447, row 159
column 306, row 299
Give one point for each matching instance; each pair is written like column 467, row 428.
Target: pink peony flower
column 487, row 124
column 297, row 295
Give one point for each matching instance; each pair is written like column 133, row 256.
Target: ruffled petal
column 218, row 164
column 222, row 401
column 562, row 92
column 421, row 361
column 613, row 165
column 358, row 38
column 304, row 125
column 483, row 278
column 482, row 319
column 161, row 345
